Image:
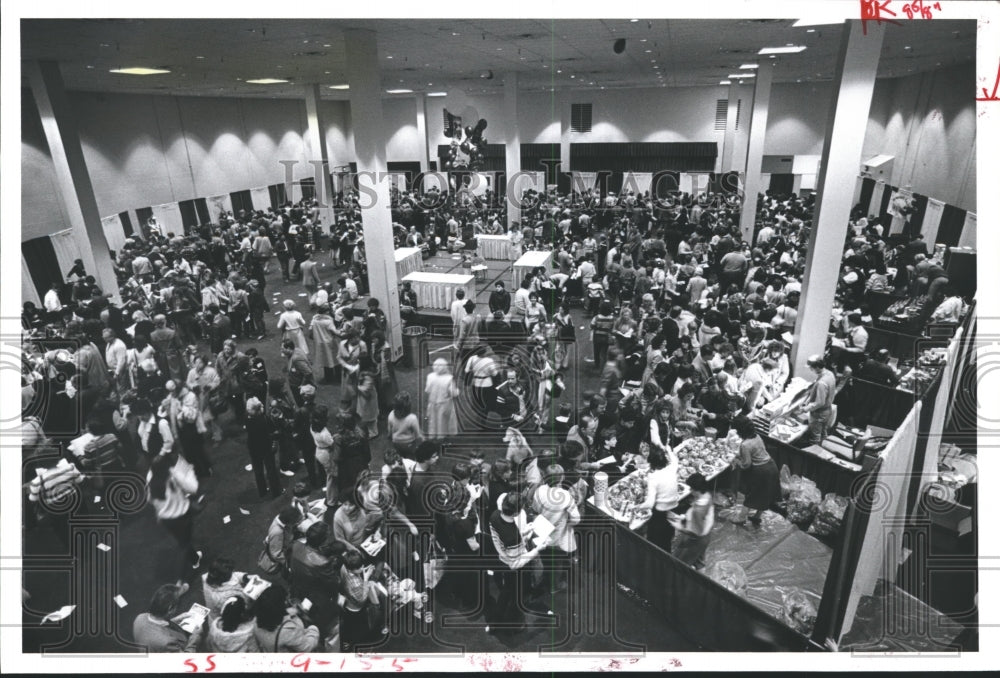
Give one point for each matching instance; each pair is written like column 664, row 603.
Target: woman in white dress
column 293, row 325
column 442, row 420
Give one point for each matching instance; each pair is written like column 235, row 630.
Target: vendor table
column 527, row 263
column 724, row 621
column 494, row 246
column 830, row 474
column 437, row 290
column 408, row 260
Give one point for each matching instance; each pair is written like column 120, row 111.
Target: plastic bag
column 829, row 515
column 730, row 575
column 785, row 476
column 803, row 502
column 798, row 611
column 735, row 514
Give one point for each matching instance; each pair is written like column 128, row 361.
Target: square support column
column 752, row 183
column 365, row 80
column 512, row 144
column 854, row 82
column 75, row 188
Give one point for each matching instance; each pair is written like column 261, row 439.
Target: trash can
column 414, row 350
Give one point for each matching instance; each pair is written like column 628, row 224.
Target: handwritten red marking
column 871, row 10
column 920, row 9
column 300, row 661
column 190, row 663
column 211, row 664
column 996, row 86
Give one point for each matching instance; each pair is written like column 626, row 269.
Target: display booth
column 799, row 591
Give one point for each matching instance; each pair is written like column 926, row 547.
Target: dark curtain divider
column 862, row 403
column 902, row 346
column 883, row 214
column 43, row 266
column 201, row 207
column 879, row 301
column 829, row 477
column 699, row 608
column 952, row 221
column 410, row 170
column 781, row 184
column 189, row 215
column 928, row 399
column 867, row 189
column 143, row 214
column 126, row 223
column 541, row 157
column 844, row 564
column 919, row 210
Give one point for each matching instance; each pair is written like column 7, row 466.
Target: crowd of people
column 690, row 327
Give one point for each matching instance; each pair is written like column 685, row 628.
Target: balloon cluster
column 467, row 143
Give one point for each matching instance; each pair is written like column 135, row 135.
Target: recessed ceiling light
column 326, row 72
column 572, row 76
column 810, row 30
column 199, row 57
column 92, row 68
column 499, row 49
column 772, row 57
column 740, row 76
column 749, row 66
column 649, row 51
column 105, row 44
column 815, row 22
column 340, row 87
column 456, row 34
column 389, row 56
column 139, row 70
column 266, row 81
column 558, row 71
column 633, row 21
column 305, row 42
column 642, row 39
column 399, row 91
column 437, row 94
column 725, row 82
column 787, row 49
column 907, row 47
column 652, row 61
column 326, row 45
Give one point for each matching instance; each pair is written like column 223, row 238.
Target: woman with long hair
column 170, row 484
column 279, row 626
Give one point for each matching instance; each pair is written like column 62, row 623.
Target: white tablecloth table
column 408, row 260
column 493, row 247
column 437, row 290
column 527, row 263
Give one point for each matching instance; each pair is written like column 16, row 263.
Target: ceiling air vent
column 581, row 117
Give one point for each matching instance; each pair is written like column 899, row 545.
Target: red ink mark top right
column 873, row 10
column 996, row 86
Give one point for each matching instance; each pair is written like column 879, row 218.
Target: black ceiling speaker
column 619, row 45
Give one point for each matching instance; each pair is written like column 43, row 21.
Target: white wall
column 928, row 122
column 42, row 211
column 796, row 118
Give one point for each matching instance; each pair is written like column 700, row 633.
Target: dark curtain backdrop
column 42, row 263
column 541, row 157
column 952, row 221
column 781, row 184
column 919, row 210
column 409, row 169
column 867, row 189
column 643, row 157
column 126, row 223
column 189, row 214
column 884, row 217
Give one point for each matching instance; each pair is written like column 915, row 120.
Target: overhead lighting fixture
column 437, row 94
column 266, row 81
column 388, row 56
column 725, row 82
column 340, row 87
column 787, row 49
column 745, row 66
column 633, row 21
column 810, row 30
column 139, row 70
column 740, row 76
column 199, row 57
column 399, row 91
column 817, row 22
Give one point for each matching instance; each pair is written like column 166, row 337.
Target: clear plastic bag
column 798, row 611
column 735, row 514
column 829, row 515
column 803, row 501
column 730, row 575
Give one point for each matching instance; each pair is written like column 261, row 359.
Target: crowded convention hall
column 408, row 337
